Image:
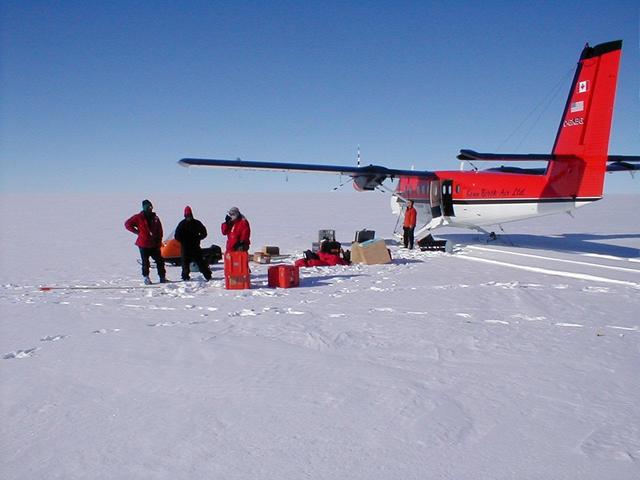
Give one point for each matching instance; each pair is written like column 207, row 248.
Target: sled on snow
column 171, row 253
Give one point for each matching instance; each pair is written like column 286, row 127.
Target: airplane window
column 457, row 188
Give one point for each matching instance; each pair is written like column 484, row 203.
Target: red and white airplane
column 573, row 176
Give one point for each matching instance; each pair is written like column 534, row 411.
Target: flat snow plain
column 512, row 359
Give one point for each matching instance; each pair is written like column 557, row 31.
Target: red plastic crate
column 284, row 276
column 236, row 264
column 237, row 282
column 236, row 271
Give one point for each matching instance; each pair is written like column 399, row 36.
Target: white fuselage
column 478, row 215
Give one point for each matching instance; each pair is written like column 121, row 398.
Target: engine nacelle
column 366, row 183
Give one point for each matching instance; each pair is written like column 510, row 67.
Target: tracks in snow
column 600, row 270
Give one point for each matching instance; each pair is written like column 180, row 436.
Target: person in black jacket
column 189, row 232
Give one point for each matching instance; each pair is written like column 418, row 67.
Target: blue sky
column 107, row 96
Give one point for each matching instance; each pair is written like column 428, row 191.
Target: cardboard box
column 372, row 252
column 271, row 250
column 260, row 257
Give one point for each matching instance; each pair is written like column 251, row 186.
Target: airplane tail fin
column 580, row 151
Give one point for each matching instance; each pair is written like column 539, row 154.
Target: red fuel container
column 284, row 276
column 237, row 282
column 236, row 271
column 236, row 263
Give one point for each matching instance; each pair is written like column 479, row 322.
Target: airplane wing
column 617, row 163
column 365, row 178
column 302, row 167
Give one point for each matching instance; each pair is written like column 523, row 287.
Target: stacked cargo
column 236, row 271
column 371, row 252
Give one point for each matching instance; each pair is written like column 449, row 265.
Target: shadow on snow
column 569, row 242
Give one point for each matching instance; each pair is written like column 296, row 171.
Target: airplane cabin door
column 447, row 198
column 434, row 199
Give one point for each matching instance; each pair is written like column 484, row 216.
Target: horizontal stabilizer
column 368, row 170
column 533, row 157
column 528, row 157
column 623, row 158
column 623, row 166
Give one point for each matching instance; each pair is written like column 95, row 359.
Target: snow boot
column 147, row 281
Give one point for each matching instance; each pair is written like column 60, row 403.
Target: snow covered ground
column 514, row 359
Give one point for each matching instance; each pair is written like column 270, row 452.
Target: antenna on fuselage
column 358, row 156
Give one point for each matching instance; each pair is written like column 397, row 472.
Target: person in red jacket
column 146, row 225
column 329, row 255
column 238, row 231
column 409, row 225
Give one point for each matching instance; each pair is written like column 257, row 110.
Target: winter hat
column 146, row 204
column 234, row 211
column 187, row 211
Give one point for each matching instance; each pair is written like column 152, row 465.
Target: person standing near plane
column 409, row 225
column 189, row 233
column 238, row 231
column 147, row 226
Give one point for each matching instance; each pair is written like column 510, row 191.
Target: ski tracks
column 606, row 270
column 193, row 304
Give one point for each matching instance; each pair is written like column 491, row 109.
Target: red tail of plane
column 573, row 177
column 581, row 148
